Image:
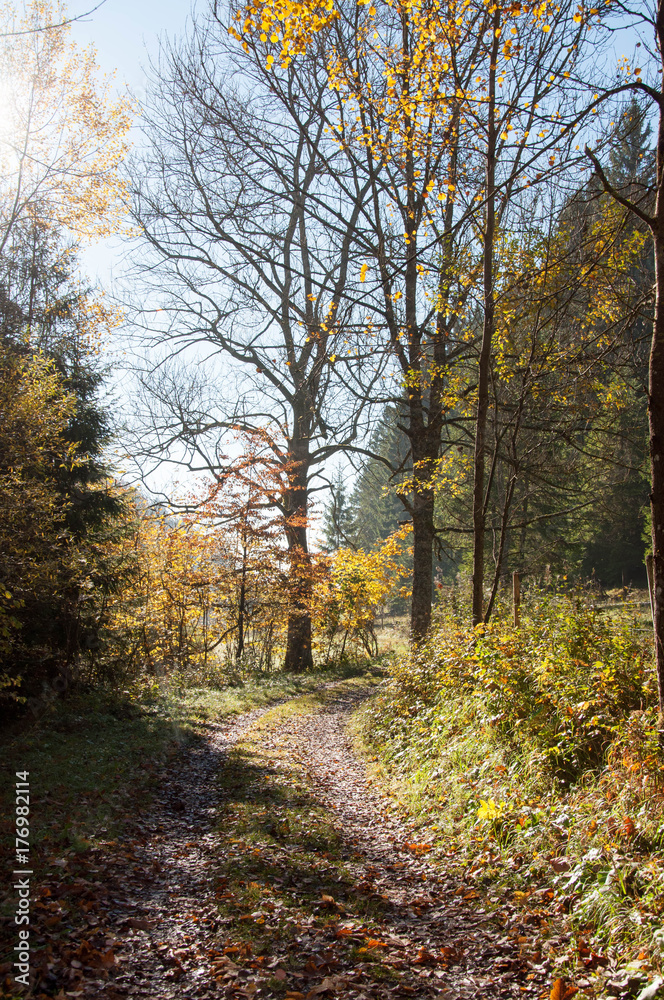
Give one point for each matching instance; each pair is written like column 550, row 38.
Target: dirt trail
column 377, row 918
column 170, row 918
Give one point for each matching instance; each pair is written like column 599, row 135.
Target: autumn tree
column 63, row 135
column 352, row 588
column 35, row 410
column 561, row 377
column 466, row 110
column 396, row 122
column 248, row 219
column 245, row 511
column 61, row 141
column 50, row 329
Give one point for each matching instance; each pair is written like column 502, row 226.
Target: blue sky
column 125, row 32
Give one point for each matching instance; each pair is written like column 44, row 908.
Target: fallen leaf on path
column 594, row 961
column 448, row 953
column 328, row 984
column 425, row 957
column 562, row 991
column 139, row 924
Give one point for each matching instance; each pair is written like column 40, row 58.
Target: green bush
column 560, row 685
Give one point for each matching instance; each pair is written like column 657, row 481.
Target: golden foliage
column 352, row 589
column 35, row 409
column 62, row 133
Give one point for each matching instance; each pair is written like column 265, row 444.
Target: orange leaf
column 629, row 828
column 558, row 990
column 561, row 991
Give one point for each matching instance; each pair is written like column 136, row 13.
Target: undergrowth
column 532, row 752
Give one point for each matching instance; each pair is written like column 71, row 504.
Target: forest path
column 270, row 866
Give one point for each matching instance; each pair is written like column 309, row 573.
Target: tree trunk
column 479, row 506
column 656, row 415
column 299, row 656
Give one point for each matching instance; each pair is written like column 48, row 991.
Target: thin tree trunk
column 504, row 522
column 656, row 411
column 243, row 600
column 423, row 535
column 479, row 514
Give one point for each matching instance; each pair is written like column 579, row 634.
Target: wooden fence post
column 516, row 597
column 651, row 583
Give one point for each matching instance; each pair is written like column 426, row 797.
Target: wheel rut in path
column 163, row 920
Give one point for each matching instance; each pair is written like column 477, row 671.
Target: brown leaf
column 425, row 957
column 330, row 983
column 139, row 924
column 562, row 991
column 629, row 829
column 279, row 974
column 560, row 864
column 595, row 960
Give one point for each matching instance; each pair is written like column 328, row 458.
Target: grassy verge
column 530, row 756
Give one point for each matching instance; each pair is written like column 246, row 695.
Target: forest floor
column 265, row 862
